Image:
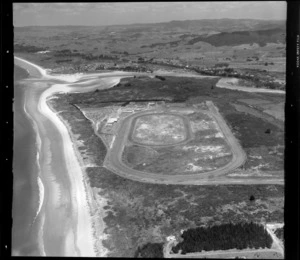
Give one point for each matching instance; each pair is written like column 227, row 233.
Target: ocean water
column 39, row 226
column 39, row 168
column 25, row 176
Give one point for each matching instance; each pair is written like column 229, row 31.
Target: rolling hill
column 261, row 37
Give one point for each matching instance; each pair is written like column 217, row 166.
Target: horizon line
column 140, row 23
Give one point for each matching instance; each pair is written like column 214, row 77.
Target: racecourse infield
column 188, row 135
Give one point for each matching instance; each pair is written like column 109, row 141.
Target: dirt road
column 277, row 244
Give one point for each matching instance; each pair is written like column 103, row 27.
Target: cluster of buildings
column 118, row 112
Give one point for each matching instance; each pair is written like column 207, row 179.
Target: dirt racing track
column 113, row 160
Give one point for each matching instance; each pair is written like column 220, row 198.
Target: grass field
column 159, row 130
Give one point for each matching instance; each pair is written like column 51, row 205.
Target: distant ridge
column 261, row 37
column 179, row 23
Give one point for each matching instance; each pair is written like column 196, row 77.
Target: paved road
column 113, row 160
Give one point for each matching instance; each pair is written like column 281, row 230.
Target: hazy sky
column 144, row 12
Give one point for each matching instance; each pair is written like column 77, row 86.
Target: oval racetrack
column 113, row 160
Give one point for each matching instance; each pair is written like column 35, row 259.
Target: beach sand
column 82, row 229
column 90, row 224
column 79, row 231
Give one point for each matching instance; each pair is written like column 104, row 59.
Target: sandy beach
column 65, row 194
column 94, row 202
column 83, row 235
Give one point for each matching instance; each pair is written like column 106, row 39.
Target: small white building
column 111, row 120
column 171, row 238
column 42, row 52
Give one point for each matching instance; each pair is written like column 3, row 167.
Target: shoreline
column 82, row 231
column 86, row 232
column 28, row 193
column 41, row 188
column 52, row 187
column 95, row 208
column 92, row 201
column 38, row 144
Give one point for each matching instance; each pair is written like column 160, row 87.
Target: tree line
column 150, row 250
column 224, row 237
